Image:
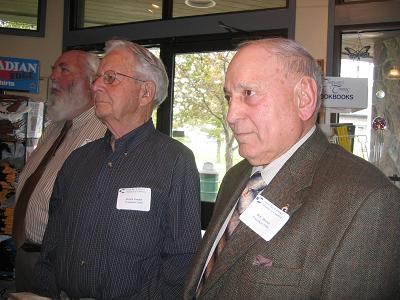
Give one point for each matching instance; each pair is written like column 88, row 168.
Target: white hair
column 149, row 65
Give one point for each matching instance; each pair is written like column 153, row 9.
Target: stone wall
column 385, row 144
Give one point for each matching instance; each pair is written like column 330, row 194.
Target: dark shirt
column 92, row 249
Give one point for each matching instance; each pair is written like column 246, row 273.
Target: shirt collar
column 132, row 138
column 269, row 171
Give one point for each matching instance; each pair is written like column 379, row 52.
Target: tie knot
column 253, row 187
column 256, row 182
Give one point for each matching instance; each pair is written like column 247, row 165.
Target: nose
column 96, row 83
column 233, row 111
column 54, row 75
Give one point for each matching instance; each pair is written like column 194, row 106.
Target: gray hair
column 149, row 65
column 294, row 59
column 90, row 62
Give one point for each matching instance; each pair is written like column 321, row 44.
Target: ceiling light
column 155, row 6
column 200, row 3
column 393, row 73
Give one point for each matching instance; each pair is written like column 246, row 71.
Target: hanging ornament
column 379, row 125
column 359, row 51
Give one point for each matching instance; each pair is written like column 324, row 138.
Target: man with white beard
column 70, row 110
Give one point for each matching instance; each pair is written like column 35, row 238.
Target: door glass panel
column 183, row 8
column 376, row 56
column 93, row 13
column 199, row 116
column 21, row 14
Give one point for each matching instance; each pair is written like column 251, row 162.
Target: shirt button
column 83, row 263
column 109, row 164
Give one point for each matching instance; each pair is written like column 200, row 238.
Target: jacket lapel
column 230, row 190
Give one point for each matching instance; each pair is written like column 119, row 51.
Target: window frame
column 351, row 17
column 41, row 24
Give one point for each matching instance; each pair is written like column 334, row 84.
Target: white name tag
column 134, row 198
column 264, row 218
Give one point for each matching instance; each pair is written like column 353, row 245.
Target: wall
column 312, row 26
column 46, row 49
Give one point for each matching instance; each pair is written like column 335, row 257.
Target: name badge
column 134, row 199
column 264, row 218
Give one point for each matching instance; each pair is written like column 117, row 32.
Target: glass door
column 199, row 121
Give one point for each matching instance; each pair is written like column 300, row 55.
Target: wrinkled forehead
column 253, row 61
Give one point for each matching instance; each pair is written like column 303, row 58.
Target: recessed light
column 155, row 6
column 200, row 3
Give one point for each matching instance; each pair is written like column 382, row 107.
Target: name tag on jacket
column 138, row 198
column 264, row 218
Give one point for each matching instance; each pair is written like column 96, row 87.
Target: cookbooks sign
column 350, row 94
column 19, row 74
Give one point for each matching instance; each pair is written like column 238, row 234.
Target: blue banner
column 19, row 74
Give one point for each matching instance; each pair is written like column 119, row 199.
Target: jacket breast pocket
column 270, row 275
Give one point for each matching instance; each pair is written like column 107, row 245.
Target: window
column 199, row 116
column 24, row 17
column 183, row 8
column 94, row 13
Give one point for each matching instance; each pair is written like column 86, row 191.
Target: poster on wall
column 18, row 74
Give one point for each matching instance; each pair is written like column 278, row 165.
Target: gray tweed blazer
column 342, row 240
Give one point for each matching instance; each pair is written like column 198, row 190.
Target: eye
column 64, row 69
column 228, row 98
column 249, row 93
column 108, row 77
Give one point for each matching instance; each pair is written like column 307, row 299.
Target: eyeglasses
column 109, row 77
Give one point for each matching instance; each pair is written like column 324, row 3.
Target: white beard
column 66, row 104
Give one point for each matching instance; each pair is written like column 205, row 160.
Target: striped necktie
column 252, row 189
column 29, row 187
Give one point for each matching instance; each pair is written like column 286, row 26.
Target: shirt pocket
column 136, row 232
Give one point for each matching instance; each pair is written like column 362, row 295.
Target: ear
column 305, row 94
column 147, row 92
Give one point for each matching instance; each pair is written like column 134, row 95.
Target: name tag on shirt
column 134, row 199
column 264, row 218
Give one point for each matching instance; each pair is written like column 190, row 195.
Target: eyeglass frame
column 114, row 74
